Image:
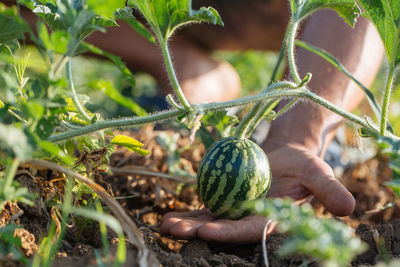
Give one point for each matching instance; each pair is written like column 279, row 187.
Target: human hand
column 296, row 173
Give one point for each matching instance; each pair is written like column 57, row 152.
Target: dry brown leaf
column 28, row 241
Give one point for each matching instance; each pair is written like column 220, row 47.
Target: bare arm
column 359, row 49
column 308, row 127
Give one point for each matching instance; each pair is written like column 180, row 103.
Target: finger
column 184, row 224
column 246, row 230
column 320, row 180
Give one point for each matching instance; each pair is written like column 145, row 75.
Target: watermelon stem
column 172, row 75
column 260, row 110
column 253, row 119
column 169, row 114
column 244, row 125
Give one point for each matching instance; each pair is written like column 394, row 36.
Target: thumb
column 320, row 180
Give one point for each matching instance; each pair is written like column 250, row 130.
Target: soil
column 147, row 197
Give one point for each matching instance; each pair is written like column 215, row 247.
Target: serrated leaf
column 108, row 89
column 73, row 17
column 130, row 144
column 347, row 9
column 385, row 15
column 48, row 11
column 165, row 16
column 220, row 119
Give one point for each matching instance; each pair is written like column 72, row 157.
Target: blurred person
column 297, row 140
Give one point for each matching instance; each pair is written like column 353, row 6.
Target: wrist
column 305, row 125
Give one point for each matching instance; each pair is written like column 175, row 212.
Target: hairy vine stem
column 293, row 26
column 385, row 105
column 268, row 94
column 172, row 75
column 251, row 120
column 267, row 108
column 60, row 65
column 243, row 127
column 337, row 64
column 75, row 99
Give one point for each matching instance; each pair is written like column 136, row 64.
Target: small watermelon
column 231, row 172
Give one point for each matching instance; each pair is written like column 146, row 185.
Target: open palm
column 296, row 172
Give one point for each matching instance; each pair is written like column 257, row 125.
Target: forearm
column 359, row 50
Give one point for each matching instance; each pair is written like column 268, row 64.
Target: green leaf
column 385, row 15
column 46, row 126
column 49, row 12
column 55, row 151
column 165, row 16
column 223, row 122
column 32, row 110
column 326, row 240
column 125, row 14
column 44, row 36
column 10, row 244
column 10, row 29
column 347, row 9
column 73, row 17
column 14, row 143
column 108, row 88
column 115, row 59
column 105, row 8
column 59, row 41
column 130, row 144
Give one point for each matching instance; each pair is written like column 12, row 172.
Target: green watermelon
column 231, row 172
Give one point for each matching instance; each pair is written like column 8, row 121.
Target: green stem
column 278, row 63
column 103, row 230
column 301, row 93
column 60, row 65
column 268, row 107
column 293, row 26
column 285, row 108
column 171, row 100
column 242, row 128
column 17, row 116
column 337, row 64
column 128, row 122
column 247, row 126
column 75, row 99
column 172, row 75
column 9, row 175
column 385, row 105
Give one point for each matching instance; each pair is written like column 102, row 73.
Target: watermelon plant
column 43, row 117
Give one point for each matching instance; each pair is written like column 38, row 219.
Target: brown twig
column 138, row 170
column 130, row 228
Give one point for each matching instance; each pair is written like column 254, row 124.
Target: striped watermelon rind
column 233, row 171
